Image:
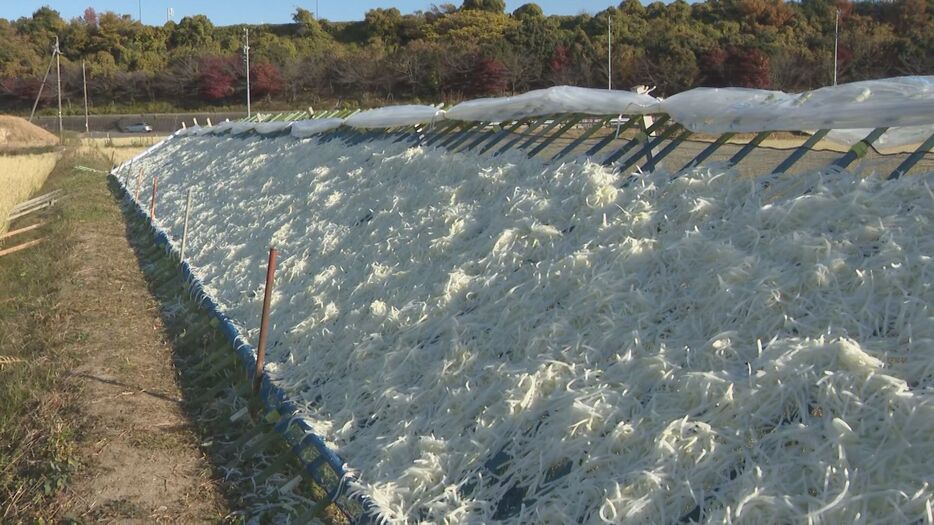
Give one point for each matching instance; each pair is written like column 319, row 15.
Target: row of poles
column 270, row 274
column 57, row 61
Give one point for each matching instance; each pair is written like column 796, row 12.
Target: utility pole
column 140, row 2
column 58, row 73
column 836, row 37
column 609, row 51
column 42, row 86
column 84, row 80
column 316, row 11
column 246, row 57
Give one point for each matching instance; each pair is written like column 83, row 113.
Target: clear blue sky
column 225, row 12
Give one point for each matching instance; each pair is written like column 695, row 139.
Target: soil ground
column 101, row 388
column 142, row 455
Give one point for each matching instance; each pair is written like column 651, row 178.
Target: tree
column 493, row 6
column 265, row 80
column 90, row 17
column 218, row 77
column 530, row 10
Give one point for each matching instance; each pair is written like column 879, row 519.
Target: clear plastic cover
column 269, row 128
column 551, row 101
column 901, row 101
column 306, row 128
column 394, row 116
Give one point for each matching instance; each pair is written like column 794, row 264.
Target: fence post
column 264, row 321
column 152, row 203
column 139, row 183
column 181, row 256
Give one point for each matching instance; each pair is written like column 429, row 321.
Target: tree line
column 454, row 52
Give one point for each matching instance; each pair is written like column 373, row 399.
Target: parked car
column 139, row 127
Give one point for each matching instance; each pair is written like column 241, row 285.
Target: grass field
column 20, row 177
column 37, row 423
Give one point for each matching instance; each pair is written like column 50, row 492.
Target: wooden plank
column 30, row 211
column 9, row 234
column 20, row 247
column 41, row 198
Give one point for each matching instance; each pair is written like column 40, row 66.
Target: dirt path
column 141, row 457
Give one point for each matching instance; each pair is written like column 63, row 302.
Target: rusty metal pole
column 264, row 322
column 152, row 203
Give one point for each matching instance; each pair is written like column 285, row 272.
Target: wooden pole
column 20, row 247
column 185, row 226
column 84, row 80
column 264, row 322
column 58, row 69
column 139, row 183
column 152, row 203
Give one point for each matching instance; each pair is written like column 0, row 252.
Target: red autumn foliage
column 265, row 79
column 218, row 77
column 489, row 77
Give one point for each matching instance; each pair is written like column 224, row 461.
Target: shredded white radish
column 491, row 339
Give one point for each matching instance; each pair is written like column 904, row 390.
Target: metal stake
column 264, row 323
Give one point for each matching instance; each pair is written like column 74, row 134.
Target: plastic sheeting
column 902, row 101
column 394, row 116
column 307, row 128
column 271, row 128
column 891, row 138
column 559, row 99
column 904, row 104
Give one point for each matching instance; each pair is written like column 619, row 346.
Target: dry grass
column 20, row 177
column 17, row 134
column 120, row 149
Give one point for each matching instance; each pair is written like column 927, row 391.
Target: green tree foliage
column 493, row 6
column 472, row 50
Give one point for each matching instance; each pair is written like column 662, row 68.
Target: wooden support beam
column 652, row 162
column 530, row 128
column 860, row 149
column 572, row 121
column 29, row 211
column 9, row 234
column 502, row 135
column 748, row 148
column 708, row 151
column 21, row 247
column 555, row 122
column 642, row 137
column 801, row 151
column 913, row 159
column 583, row 137
column 613, row 135
column 36, row 200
